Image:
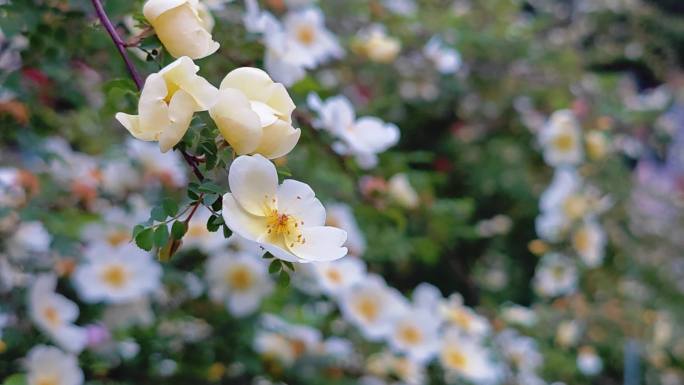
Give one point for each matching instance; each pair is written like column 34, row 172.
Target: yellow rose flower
column 183, row 27
column 253, row 114
column 167, row 103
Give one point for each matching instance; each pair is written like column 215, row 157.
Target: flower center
column 564, row 142
column 52, row 316
column 455, row 359
column 286, row 226
column 410, row 334
column 306, row 34
column 117, row 237
column 334, row 276
column 239, row 278
column 581, row 240
column 115, row 276
column 47, row 380
column 574, row 206
column 368, row 309
column 197, row 230
column 171, row 89
column 558, row 272
column 460, row 318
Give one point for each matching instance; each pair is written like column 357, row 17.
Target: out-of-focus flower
column 306, row 28
column 337, row 276
column 455, row 312
column 116, row 274
column 400, row 189
column 517, row 314
column 597, row 145
column 341, row 216
column 588, row 362
column 238, row 280
column 301, row 42
column 183, row 26
column 167, row 103
column 374, row 44
column 386, row 366
column 49, row 365
column 589, row 241
column 447, row 60
column 562, row 203
column 521, row 351
column 198, row 236
column 568, row 333
column 415, row 333
column 372, row 306
column 253, row 114
column 124, row 315
column 119, row 177
column 556, row 275
column 287, row 220
column 561, row 139
column 166, row 168
column 363, row 138
column 54, row 314
column 465, row 357
column 29, row 239
column 16, row 186
column 401, row 7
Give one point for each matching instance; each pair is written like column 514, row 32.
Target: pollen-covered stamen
column 286, row 226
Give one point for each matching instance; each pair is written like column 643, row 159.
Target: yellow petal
column 238, row 124
column 278, row 140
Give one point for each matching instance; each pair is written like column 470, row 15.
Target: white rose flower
column 286, row 220
column 465, row 357
column 116, row 274
column 55, row 315
column 363, row 138
column 335, row 277
column 183, row 27
column 253, row 114
column 555, row 275
column 47, row 365
column 561, row 139
column 589, row 241
column 400, row 189
column 239, row 280
column 167, row 103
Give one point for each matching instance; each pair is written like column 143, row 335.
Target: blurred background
column 518, row 222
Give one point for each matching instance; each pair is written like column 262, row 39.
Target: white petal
column 278, row 140
column 323, row 243
column 236, row 121
column 181, row 109
column 299, row 199
column 240, row 221
column 253, row 181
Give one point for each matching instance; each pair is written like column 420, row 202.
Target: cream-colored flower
column 374, row 44
column 400, row 189
column 55, row 315
column 167, row 103
column 286, row 220
column 561, row 138
column 183, row 27
column 47, row 365
column 463, row 356
column 253, row 113
column 589, row 241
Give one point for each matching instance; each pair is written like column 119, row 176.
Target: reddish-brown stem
column 121, row 45
column 118, row 42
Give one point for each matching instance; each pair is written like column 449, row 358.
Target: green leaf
column 210, row 187
column 209, row 199
column 217, row 205
column 170, row 207
column 226, row 231
column 275, row 266
column 178, row 229
column 136, row 230
column 158, row 214
column 284, row 171
column 161, row 236
column 214, row 222
column 15, row 379
column 267, row 255
column 284, row 279
column 289, row 265
column 145, row 239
